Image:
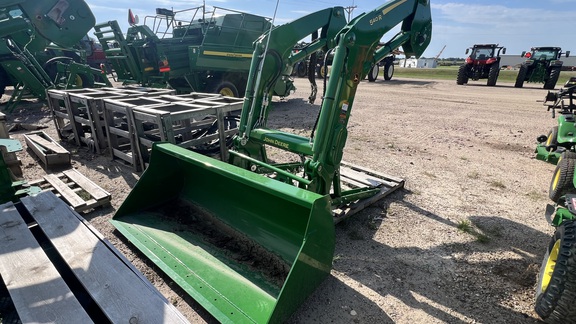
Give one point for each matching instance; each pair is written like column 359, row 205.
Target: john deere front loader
column 251, row 239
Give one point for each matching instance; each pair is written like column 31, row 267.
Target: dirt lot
column 466, row 153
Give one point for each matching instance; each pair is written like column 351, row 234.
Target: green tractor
column 542, row 65
column 556, row 288
column 482, row 63
column 560, row 138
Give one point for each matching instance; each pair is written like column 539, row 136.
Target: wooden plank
column 47, row 144
column 351, row 181
column 121, row 295
column 68, row 194
column 90, row 187
column 364, row 178
column 38, row 291
column 375, row 173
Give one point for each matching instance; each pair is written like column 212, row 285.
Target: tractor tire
column 301, row 70
column 567, row 155
column 493, row 75
column 521, row 76
column 373, row 74
column 462, row 75
column 556, row 289
column 552, row 139
column 388, row 71
column 563, row 179
column 550, row 84
column 321, row 72
column 226, row 88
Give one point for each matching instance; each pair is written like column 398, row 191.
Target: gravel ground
column 466, row 153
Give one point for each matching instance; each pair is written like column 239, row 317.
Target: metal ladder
column 117, row 52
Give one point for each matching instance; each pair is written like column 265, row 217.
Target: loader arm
column 279, row 59
column 355, row 51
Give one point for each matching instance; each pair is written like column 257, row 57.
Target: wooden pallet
column 353, row 176
column 58, row 268
column 48, row 150
column 75, row 189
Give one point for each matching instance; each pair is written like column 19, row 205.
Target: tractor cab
column 544, row 54
column 484, row 53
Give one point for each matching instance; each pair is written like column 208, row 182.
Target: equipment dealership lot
column 466, row 153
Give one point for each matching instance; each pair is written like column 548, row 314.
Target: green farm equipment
column 556, row 288
column 37, row 52
column 250, row 240
column 387, row 64
column 559, row 146
column 10, row 187
column 561, row 138
column 542, row 65
column 201, row 52
column 482, row 63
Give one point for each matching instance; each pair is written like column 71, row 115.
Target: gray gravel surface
column 466, row 153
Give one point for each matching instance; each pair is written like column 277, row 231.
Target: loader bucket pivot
column 248, row 248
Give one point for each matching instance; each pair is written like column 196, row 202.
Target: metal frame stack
column 133, row 125
column 186, row 124
column 128, row 120
column 79, row 114
column 120, row 127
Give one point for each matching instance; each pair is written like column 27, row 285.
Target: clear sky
column 458, row 24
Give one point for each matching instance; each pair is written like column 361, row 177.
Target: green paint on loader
column 251, row 248
column 246, row 247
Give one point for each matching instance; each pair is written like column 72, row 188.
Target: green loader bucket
column 248, row 248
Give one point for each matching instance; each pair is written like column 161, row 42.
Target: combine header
column 250, row 240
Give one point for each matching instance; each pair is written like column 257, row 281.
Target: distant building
column 418, row 63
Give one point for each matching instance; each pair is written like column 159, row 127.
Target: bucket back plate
column 246, row 247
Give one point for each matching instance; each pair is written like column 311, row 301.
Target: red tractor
column 483, row 63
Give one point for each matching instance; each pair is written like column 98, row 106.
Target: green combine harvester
column 200, row 52
column 251, row 239
column 37, row 50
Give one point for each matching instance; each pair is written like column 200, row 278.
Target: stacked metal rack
column 79, row 114
column 127, row 121
column 199, row 124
